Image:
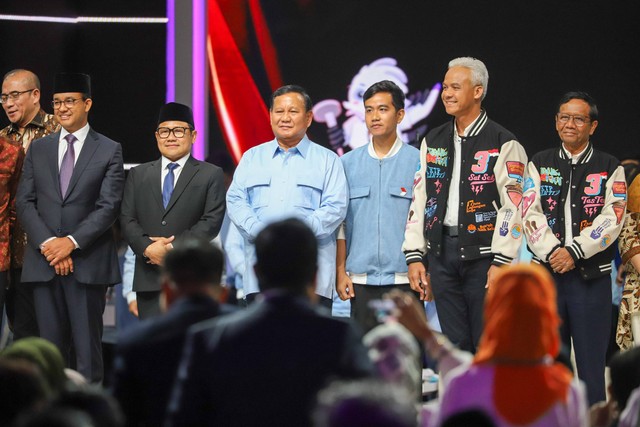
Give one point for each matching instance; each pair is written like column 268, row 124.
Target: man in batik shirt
column 21, row 102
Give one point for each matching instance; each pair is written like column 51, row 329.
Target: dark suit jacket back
column 196, row 208
column 147, row 358
column 265, row 365
column 87, row 212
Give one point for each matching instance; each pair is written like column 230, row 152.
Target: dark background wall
column 534, row 50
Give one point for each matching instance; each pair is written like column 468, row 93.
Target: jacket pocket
column 258, row 190
column 309, row 192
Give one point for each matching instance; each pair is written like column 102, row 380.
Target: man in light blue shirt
column 290, row 176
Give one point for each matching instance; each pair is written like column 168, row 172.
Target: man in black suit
column 68, row 198
column 167, row 200
column 264, row 365
column 147, row 356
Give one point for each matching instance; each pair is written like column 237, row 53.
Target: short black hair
column 194, row 261
column 397, row 95
column 286, row 256
column 308, row 104
column 593, row 108
column 624, row 370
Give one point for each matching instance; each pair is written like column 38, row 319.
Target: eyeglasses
column 579, row 121
column 177, row 132
column 69, row 103
column 13, row 95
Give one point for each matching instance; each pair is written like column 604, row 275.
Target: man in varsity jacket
column 465, row 218
column 573, row 208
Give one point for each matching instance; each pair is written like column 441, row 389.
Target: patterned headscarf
column 521, row 339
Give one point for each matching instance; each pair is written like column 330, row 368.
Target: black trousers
column 148, row 304
column 459, row 290
column 70, row 314
column 585, row 309
column 21, row 311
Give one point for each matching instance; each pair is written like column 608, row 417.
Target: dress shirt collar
column 301, row 147
column 181, row 162
column 80, row 134
column 37, row 121
column 397, row 145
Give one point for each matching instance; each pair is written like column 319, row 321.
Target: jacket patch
column 595, row 183
column 516, row 231
column 472, row 206
column 514, row 191
column 550, row 175
column 527, row 201
column 592, row 205
column 618, row 209
column 528, row 184
column 479, row 181
column 483, row 158
column 438, row 156
column 515, row 170
column 504, row 228
column 551, row 202
column 434, row 173
column 619, row 189
column 597, row 232
column 431, row 206
column 534, row 232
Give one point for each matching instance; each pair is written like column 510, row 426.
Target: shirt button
column 164, row 223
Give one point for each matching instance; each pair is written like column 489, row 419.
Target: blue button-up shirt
column 306, row 182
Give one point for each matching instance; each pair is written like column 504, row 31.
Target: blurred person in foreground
column 513, row 377
column 265, row 365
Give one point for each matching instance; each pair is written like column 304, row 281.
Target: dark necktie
column 167, row 186
column 66, row 167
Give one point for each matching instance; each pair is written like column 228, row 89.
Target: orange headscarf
column 521, row 339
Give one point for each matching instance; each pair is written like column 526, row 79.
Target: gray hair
column 479, row 72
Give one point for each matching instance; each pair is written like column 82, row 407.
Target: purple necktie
column 66, row 167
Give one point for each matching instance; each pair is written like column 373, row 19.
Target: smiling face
column 73, row 117
column 289, row 119
column 24, row 108
column 174, row 148
column 575, row 136
column 381, row 117
column 461, row 98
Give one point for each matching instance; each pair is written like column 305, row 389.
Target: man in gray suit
column 68, row 199
column 169, row 199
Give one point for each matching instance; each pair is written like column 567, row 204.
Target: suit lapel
column 52, row 156
column 88, row 149
column 152, row 181
column 190, row 169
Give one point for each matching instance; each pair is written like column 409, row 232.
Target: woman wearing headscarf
column 514, row 377
column 629, row 244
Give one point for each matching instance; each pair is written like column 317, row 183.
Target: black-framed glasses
column 579, row 121
column 69, row 103
column 178, row 132
column 13, row 95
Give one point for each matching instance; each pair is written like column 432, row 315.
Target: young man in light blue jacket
column 380, row 175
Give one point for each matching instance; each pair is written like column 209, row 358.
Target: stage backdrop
column 535, row 51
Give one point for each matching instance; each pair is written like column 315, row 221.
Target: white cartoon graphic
column 353, row 132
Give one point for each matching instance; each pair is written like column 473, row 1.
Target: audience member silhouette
column 147, row 356
column 264, row 365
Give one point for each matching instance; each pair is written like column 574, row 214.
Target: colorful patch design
column 486, row 227
column 472, row 206
column 504, row 228
column 403, row 191
column 479, row 181
column 431, row 206
column 416, row 180
column 549, row 190
column 597, row 232
column 595, row 181
column 528, row 184
column 514, row 192
column 527, row 201
column 516, row 231
column 584, row 224
column 619, row 189
column 618, row 209
column 515, row 170
column 551, row 203
column 434, row 172
column 483, row 158
column 438, row 186
column 550, row 175
column 485, row 216
column 471, row 228
column 534, row 232
column 437, row 156
column 592, row 205
column 606, row 241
